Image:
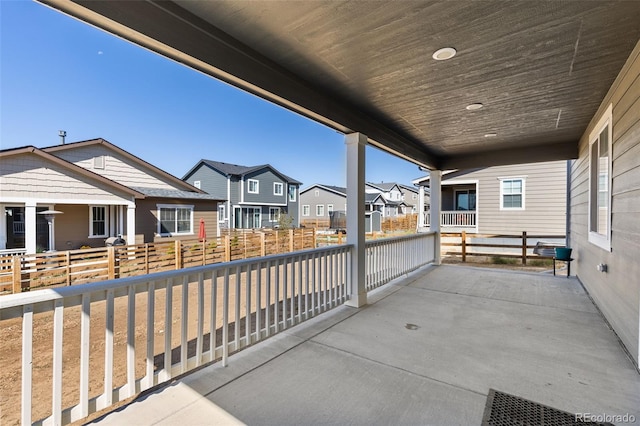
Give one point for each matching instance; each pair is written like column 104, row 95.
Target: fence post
column 17, row 274
column 146, row 258
column 68, row 268
column 204, row 251
column 178, row 249
column 111, row 262
column 227, row 248
column 315, row 238
column 463, row 238
column 263, row 248
column 524, row 247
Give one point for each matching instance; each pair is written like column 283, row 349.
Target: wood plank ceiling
column 540, row 68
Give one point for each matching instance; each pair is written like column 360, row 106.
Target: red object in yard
column 202, row 233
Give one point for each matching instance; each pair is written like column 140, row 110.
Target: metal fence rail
column 391, row 258
column 186, row 318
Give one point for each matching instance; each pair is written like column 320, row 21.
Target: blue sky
column 57, row 73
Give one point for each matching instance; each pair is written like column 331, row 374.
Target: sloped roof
column 6, row 153
column 238, row 170
column 336, row 189
column 140, row 162
column 174, row 193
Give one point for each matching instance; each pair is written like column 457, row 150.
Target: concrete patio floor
column 425, row 351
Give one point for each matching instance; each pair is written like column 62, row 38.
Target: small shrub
column 497, row 260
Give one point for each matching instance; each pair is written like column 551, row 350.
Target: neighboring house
column 505, row 199
column 101, row 191
column 318, row 201
column 399, row 192
column 256, row 196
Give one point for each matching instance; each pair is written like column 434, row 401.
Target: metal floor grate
column 503, row 409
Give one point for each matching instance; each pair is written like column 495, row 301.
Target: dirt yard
column 11, row 335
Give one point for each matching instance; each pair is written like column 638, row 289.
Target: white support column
column 112, row 221
column 120, row 227
column 3, row 228
column 435, row 177
column 422, row 221
column 356, row 143
column 30, row 227
column 131, row 225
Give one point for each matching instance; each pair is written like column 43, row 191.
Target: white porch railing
column 455, row 218
column 390, row 258
column 124, row 336
column 186, row 318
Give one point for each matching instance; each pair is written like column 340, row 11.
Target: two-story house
column 99, row 190
column 407, row 196
column 256, row 196
column 319, row 201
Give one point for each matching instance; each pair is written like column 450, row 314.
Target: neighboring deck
column 425, row 351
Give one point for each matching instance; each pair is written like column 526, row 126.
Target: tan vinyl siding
column 116, row 167
column 33, row 177
column 616, row 292
column 545, row 199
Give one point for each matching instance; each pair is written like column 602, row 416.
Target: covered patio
column 426, row 350
column 446, row 85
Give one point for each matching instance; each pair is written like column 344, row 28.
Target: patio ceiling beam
column 199, row 45
column 565, row 150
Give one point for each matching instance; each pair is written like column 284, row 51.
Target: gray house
column 406, row 196
column 318, row 201
column 256, row 196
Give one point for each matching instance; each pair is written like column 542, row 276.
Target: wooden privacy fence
column 514, row 246
column 23, row 272
column 399, row 223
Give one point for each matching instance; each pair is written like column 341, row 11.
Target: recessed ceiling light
column 473, row 107
column 490, row 135
column 444, row 54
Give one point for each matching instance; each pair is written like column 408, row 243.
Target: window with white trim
column 221, row 212
column 175, row 220
column 320, row 210
column 329, row 208
column 316, row 193
column 197, row 184
column 600, row 146
column 278, row 188
column 306, row 210
column 274, row 214
column 292, row 193
column 97, row 221
column 512, row 194
column 253, row 186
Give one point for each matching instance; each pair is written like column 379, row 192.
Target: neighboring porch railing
column 124, row 336
column 455, row 218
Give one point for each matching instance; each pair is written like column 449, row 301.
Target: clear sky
column 57, row 73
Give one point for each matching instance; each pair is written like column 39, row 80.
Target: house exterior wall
column 410, row 198
column 265, row 195
column 616, row 292
column 545, row 198
column 308, row 197
column 147, row 219
column 211, row 181
column 28, row 176
column 116, row 167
